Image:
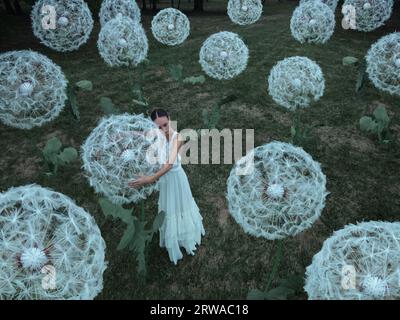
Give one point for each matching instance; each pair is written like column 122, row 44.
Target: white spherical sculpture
column 50, row 248
column 295, row 82
column 359, row 262
column 170, row 27
column 122, row 42
column 73, row 23
column 332, row 4
column 32, row 89
column 244, row 12
column 370, row 14
column 111, row 8
column 312, row 22
column 119, row 149
column 223, row 55
column 383, row 63
column 277, row 190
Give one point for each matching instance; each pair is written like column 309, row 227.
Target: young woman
column 183, row 226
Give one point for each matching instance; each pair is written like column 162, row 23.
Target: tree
column 198, row 6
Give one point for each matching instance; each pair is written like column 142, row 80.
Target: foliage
column 378, row 124
column 55, row 157
column 136, row 236
column 83, row 85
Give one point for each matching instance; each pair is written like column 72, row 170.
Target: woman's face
column 163, row 124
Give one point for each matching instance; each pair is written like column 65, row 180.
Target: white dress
column 183, row 226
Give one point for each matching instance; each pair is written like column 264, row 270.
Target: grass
column 363, row 176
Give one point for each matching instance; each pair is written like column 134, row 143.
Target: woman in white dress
column 183, row 226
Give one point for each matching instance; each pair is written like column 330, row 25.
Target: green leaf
column 175, row 71
column 158, row 221
column 68, row 155
column 107, row 106
column 116, row 211
column 381, row 115
column 295, row 282
column 279, row 293
column 255, row 294
column 73, row 103
column 348, row 61
column 140, row 103
column 84, row 85
column 368, row 125
column 139, row 246
column 127, row 237
column 204, row 114
column 195, row 80
column 361, row 76
column 293, row 131
column 52, row 147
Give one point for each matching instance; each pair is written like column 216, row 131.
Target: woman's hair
column 158, row 113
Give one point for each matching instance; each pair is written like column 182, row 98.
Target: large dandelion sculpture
column 244, row 12
column 122, row 42
column 332, row 4
column 295, row 82
column 370, row 14
column 312, row 22
column 281, row 195
column 118, row 149
column 32, row 89
column 50, row 248
column 358, row 262
column 383, row 63
column 170, row 26
column 73, row 23
column 111, row 8
column 224, row 55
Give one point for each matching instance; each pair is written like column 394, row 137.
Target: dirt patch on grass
column 27, row 168
column 335, row 137
column 222, row 211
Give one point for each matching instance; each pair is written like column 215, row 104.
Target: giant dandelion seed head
column 281, row 196
column 44, row 236
column 332, row 4
column 120, row 148
column 223, row 55
column 32, row 89
column 111, row 8
column 244, row 12
column 170, row 26
column 383, row 63
column 73, row 26
column 122, row 42
column 370, row 14
column 312, row 22
column 358, row 262
column 296, row 82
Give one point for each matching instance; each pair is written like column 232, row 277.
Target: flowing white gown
column 183, row 226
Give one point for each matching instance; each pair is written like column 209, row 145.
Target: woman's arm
column 176, row 144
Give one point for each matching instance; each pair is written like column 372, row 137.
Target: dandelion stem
column 277, row 259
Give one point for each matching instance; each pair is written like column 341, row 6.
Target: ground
column 363, row 176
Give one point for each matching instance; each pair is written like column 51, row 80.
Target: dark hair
column 158, row 113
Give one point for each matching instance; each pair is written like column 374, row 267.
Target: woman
column 183, row 226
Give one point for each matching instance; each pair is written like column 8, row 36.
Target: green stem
column 275, row 264
column 142, row 210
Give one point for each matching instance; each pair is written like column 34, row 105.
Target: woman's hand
column 140, row 182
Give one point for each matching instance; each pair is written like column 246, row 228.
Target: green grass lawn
column 363, row 177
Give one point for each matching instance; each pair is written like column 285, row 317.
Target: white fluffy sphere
column 73, row 26
column 44, row 234
column 170, row 27
column 370, row 14
column 244, row 12
column 358, row 262
column 119, row 149
column 32, row 89
column 122, row 42
column 312, row 22
column 111, row 8
column 295, row 82
column 281, row 196
column 332, row 4
column 224, row 55
column 383, row 63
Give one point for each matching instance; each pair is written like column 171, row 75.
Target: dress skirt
column 182, row 226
